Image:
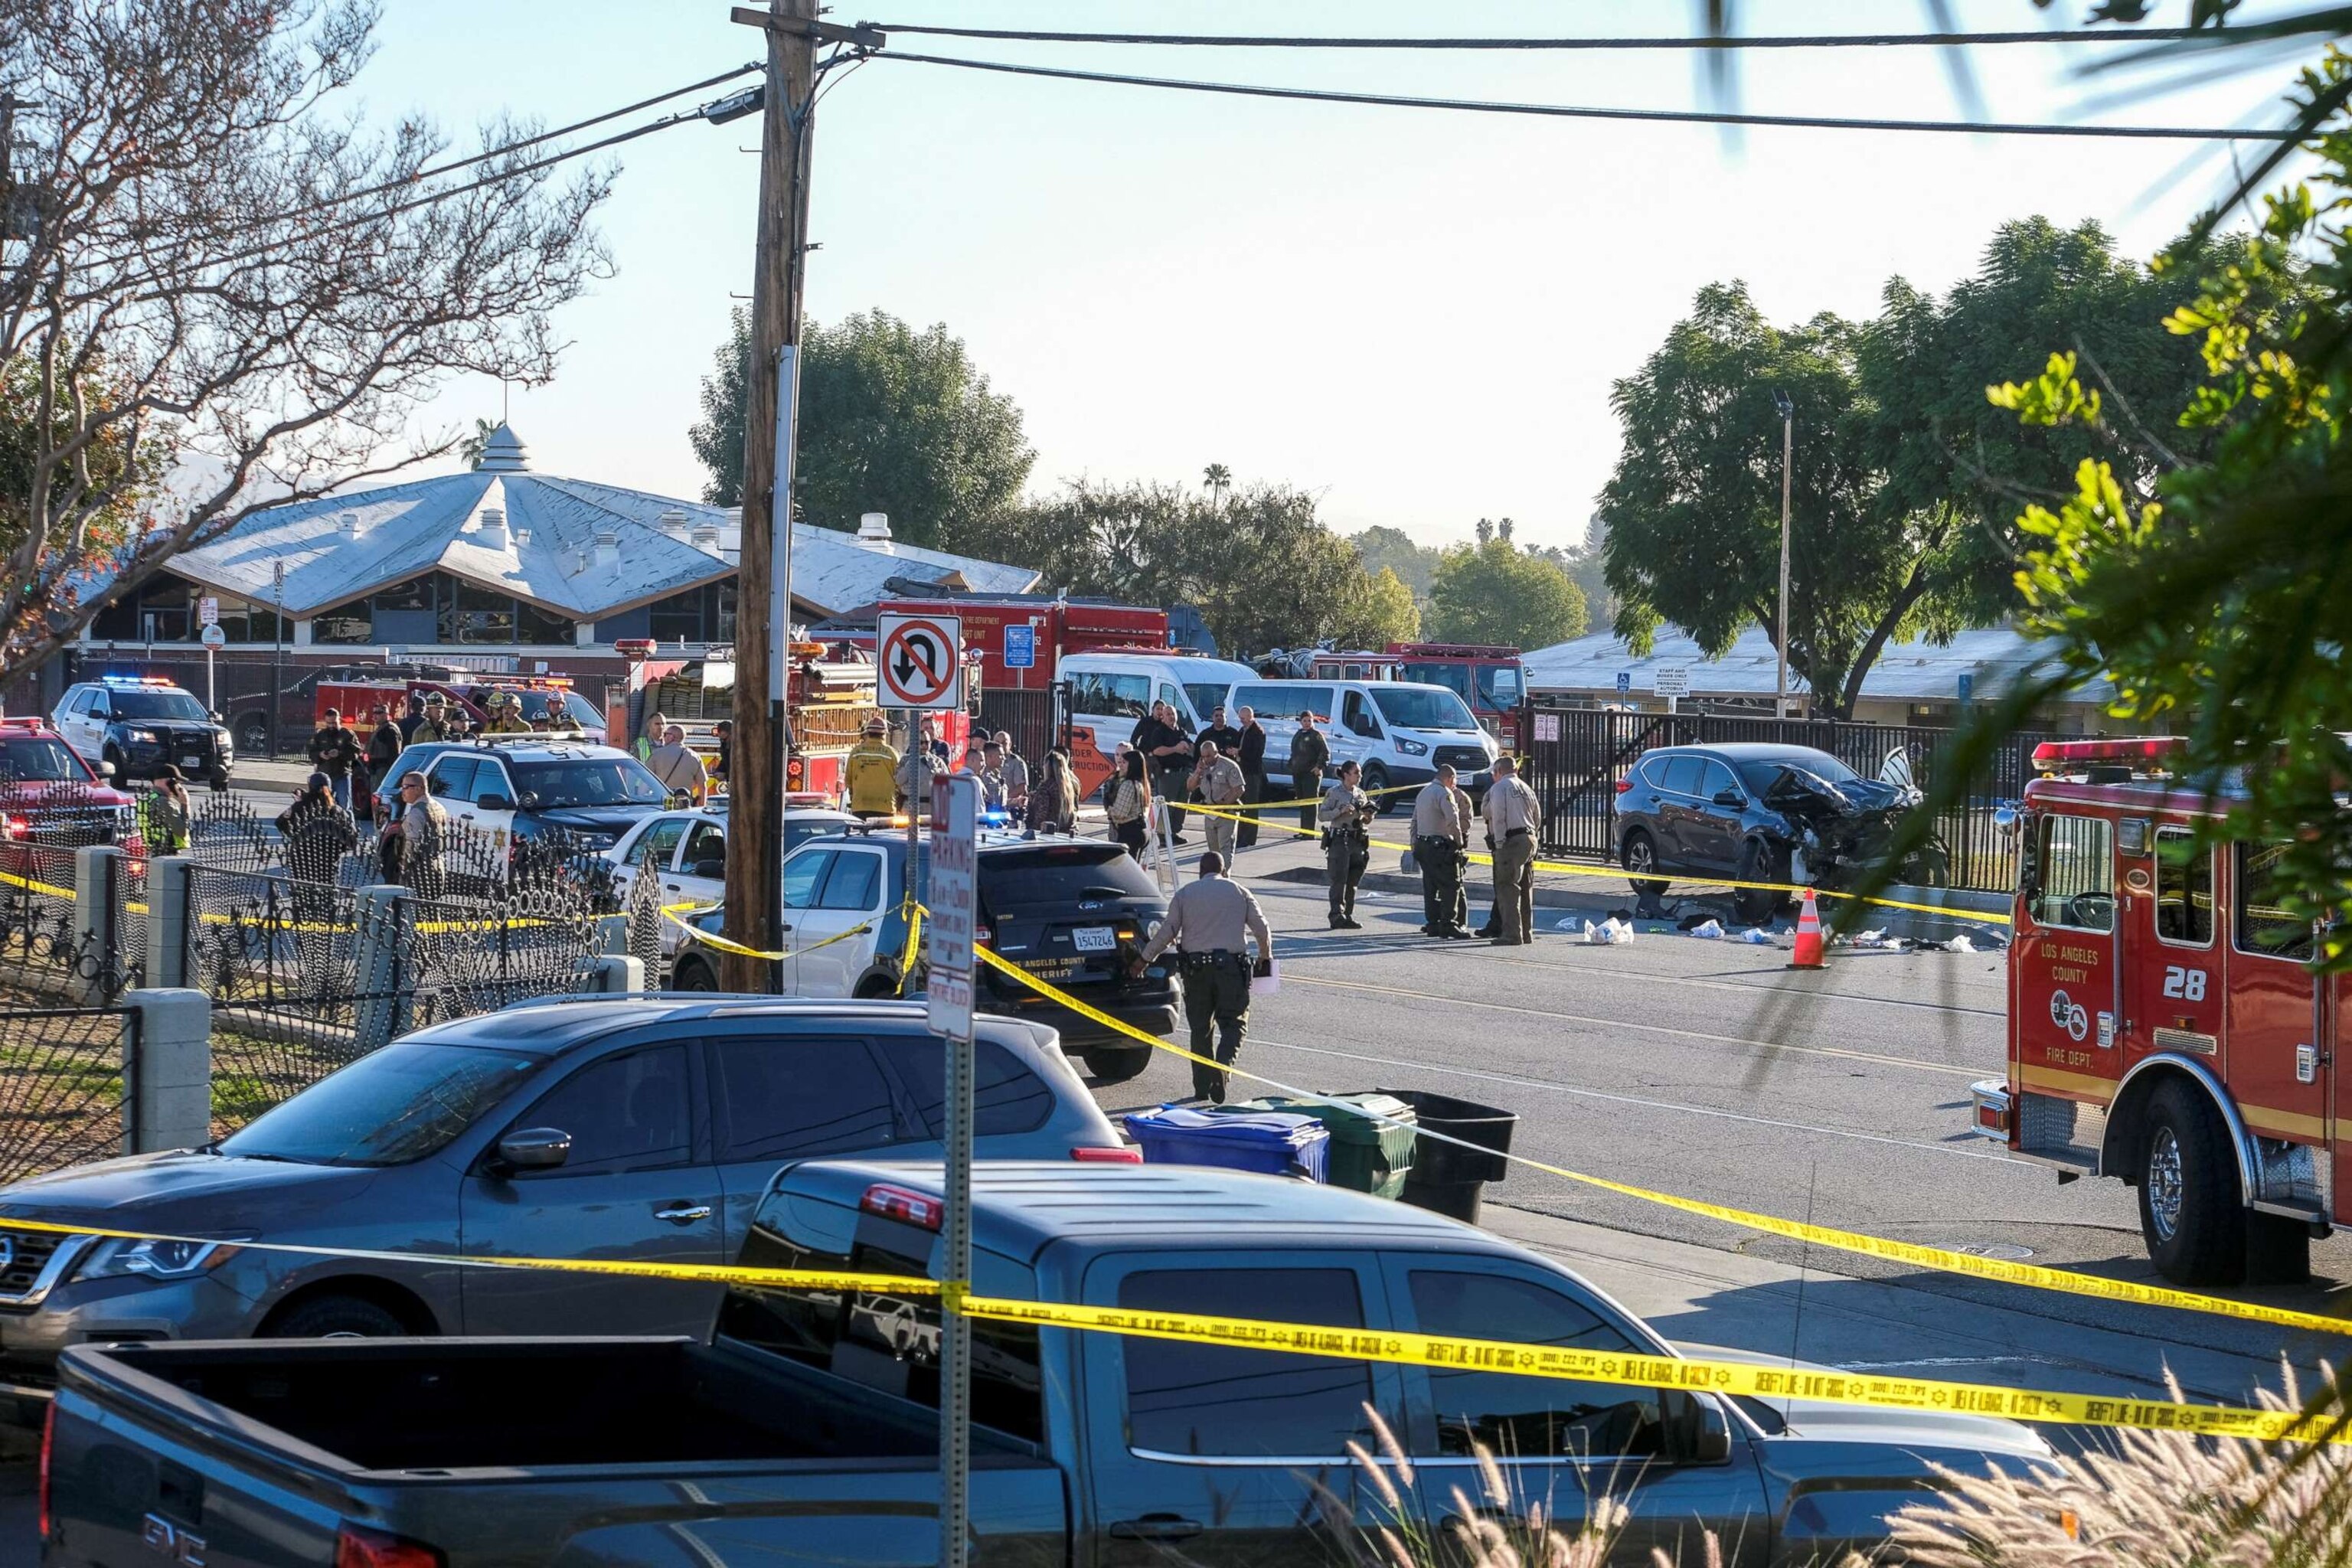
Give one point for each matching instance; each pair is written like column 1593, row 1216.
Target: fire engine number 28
column 2165, row 1024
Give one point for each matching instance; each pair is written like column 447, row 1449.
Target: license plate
column 191, row 761
column 1095, row 939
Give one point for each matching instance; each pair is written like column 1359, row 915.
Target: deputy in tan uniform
column 1346, row 813
column 1513, row 814
column 1441, row 844
column 1207, row 920
column 1219, row 780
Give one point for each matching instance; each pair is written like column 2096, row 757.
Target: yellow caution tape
column 1566, row 868
column 2036, row 1276
column 708, row 939
column 1719, row 1377
column 914, row 946
column 44, row 889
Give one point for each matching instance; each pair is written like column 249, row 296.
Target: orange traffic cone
column 1807, row 954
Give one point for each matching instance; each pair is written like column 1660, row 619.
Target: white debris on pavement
column 1607, row 931
column 1712, row 930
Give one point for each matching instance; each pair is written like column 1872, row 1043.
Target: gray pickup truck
column 804, row 1429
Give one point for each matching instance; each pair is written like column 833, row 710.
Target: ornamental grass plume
column 2164, row 1498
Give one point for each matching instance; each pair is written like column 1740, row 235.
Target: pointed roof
column 577, row 548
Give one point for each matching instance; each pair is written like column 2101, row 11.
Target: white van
column 1398, row 731
column 1109, row 691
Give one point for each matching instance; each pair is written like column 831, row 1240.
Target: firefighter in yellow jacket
column 872, row 773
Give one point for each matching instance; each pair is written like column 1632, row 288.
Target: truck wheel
column 1758, row 863
column 1116, row 1064
column 337, row 1318
column 692, row 974
column 1639, row 856
column 1376, row 779
column 2189, row 1207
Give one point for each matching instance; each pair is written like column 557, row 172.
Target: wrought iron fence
column 463, row 958
column 61, row 1100
column 1577, row 757
column 1030, row 716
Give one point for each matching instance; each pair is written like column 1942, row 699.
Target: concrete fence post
column 380, row 1014
column 613, row 935
column 97, row 920
column 616, row 974
column 168, row 914
column 167, row 1071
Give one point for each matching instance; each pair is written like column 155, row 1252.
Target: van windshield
column 1206, row 698
column 1422, row 708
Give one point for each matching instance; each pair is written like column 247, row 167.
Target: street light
column 1787, row 445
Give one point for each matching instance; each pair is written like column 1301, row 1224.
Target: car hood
column 186, row 1191
column 601, row 818
column 1814, row 1420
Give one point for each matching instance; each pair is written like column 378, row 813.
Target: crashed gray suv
column 634, row 1129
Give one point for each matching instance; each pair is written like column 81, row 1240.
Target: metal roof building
column 1910, row 682
column 502, row 561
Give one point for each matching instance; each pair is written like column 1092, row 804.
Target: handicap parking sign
column 1625, row 682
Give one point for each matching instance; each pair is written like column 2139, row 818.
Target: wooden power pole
column 755, row 893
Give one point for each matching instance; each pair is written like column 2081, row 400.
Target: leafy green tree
column 1392, row 548
column 1496, row 593
column 1217, row 478
column 891, row 420
column 1379, row 609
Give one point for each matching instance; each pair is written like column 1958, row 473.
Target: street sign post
column 213, row 638
column 1625, row 682
column 207, row 612
column 952, row 903
column 1671, row 682
column 1020, row 647
column 921, row 660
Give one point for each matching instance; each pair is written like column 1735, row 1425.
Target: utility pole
column 1780, row 638
column 755, row 871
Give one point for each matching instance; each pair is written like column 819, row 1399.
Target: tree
column 475, row 446
column 230, row 279
column 891, row 420
column 1496, row 593
column 1381, row 547
column 1377, row 610
column 1217, row 479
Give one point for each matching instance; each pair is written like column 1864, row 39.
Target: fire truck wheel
column 2189, row 1208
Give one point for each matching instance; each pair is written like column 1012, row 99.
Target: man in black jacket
column 334, row 752
column 1252, row 761
column 1168, row 754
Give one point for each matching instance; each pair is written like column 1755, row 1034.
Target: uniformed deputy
column 1513, row 814
column 1346, row 813
column 1207, row 920
column 1440, row 838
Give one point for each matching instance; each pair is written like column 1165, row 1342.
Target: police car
column 686, row 852
column 523, row 786
column 141, row 724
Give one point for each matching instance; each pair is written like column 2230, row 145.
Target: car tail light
column 904, row 1204
column 982, row 935
column 49, row 1446
column 1624, row 785
column 358, row 1547
column 15, row 827
column 1119, row 1156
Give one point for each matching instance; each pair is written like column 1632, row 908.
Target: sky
column 1416, row 316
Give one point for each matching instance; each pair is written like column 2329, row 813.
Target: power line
column 1575, row 112
column 1785, row 41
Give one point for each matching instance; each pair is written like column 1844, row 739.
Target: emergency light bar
column 135, row 681
column 2149, row 752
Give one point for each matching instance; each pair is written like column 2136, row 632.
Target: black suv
column 139, row 724
column 1755, row 811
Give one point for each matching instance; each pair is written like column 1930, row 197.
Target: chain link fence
column 61, row 1098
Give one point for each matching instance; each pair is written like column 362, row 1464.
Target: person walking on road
column 1441, row 839
column 1346, row 812
column 1253, row 762
column 1168, row 752
column 871, row 772
column 334, row 752
column 1309, row 754
column 1129, row 804
column 1208, row 920
column 1513, row 814
column 1217, row 780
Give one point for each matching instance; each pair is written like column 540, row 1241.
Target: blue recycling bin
column 1272, row 1143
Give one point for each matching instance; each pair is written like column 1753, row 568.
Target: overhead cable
column 1783, row 41
column 1578, row 111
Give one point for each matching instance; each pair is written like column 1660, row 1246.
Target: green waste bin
column 1366, row 1153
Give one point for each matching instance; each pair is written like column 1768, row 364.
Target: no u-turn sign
column 921, row 660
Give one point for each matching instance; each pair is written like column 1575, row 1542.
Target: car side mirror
column 106, row 770
column 534, row 1149
column 711, row 870
column 1696, row 1432
column 493, row 803
column 1730, row 797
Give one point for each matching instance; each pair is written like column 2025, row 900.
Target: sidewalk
column 1699, row 1296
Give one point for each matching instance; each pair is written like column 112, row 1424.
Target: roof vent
column 494, row 528
column 503, row 453
column 608, row 548
column 706, row 537
column 874, row 532
column 522, row 537
column 673, row 522
column 350, row 524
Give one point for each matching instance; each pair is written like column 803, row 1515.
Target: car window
column 786, row 1097
column 803, row 873
column 1357, row 717
column 856, row 877
column 1061, row 875
column 1109, row 696
column 2263, row 926
column 392, row 1106
column 2184, row 887
column 1422, row 708
column 490, row 779
column 2073, row 873
column 590, row 781
column 452, row 778
column 1526, row 1418
column 1007, row 1096
column 708, row 841
column 625, row 1113
column 1188, row 1398
column 1718, row 779
column 1681, row 774
column 656, row 843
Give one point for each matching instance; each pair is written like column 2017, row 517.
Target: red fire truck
column 1488, row 678
column 2164, row 1024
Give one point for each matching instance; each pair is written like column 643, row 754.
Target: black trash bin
column 1446, row 1178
